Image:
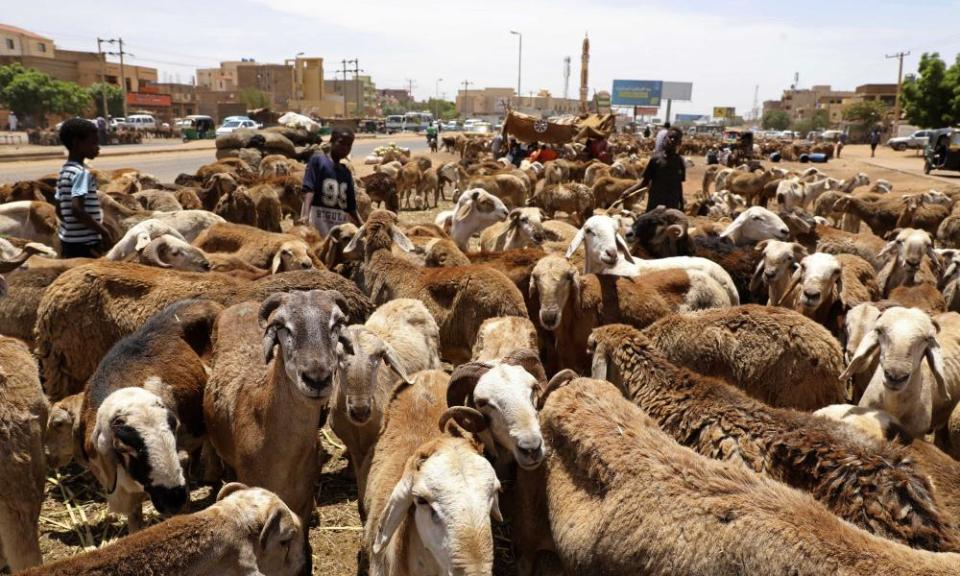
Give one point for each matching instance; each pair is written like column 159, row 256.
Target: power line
column 896, row 107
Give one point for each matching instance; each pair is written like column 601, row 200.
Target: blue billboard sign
column 690, row 117
column 636, row 92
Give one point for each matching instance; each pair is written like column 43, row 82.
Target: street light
column 519, row 59
column 436, row 89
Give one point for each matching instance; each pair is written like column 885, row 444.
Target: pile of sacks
column 252, row 145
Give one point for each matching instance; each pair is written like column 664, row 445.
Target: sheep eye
column 421, row 501
column 480, row 402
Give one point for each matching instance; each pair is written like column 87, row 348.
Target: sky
column 726, row 48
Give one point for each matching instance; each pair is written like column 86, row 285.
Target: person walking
column 665, row 174
column 12, row 121
column 874, row 140
column 661, row 138
column 329, row 197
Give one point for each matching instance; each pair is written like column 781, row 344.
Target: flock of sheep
column 728, row 390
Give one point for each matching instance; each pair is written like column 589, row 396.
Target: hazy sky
column 725, row 47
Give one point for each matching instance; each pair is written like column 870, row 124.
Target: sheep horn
column 529, row 360
column 462, row 382
column 559, row 380
column 467, row 418
column 793, row 284
column 11, row 265
column 151, row 253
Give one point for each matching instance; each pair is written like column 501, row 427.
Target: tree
column 928, row 98
column 952, row 78
column 775, row 120
column 31, row 93
column 818, row 121
column 865, row 114
column 114, row 98
column 254, row 98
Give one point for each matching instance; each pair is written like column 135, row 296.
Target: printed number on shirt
column 334, row 194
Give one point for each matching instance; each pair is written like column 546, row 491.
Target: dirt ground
column 74, row 515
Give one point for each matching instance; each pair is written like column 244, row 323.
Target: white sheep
column 138, row 237
column 475, row 210
column 607, row 253
column 778, row 260
column 756, row 224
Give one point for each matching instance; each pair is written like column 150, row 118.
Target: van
column 395, row 123
column 141, row 122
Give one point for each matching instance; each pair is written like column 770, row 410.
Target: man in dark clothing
column 874, row 140
column 329, row 198
column 665, row 174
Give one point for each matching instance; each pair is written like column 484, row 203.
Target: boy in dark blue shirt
column 329, row 198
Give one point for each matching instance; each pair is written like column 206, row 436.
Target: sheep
column 88, row 308
column 920, row 400
column 824, row 286
column 908, row 259
column 756, row 224
column 459, row 298
column 246, row 531
column 622, row 498
column 795, row 194
column 498, row 337
column 64, row 430
column 602, row 240
column 270, row 250
column 778, row 261
column 189, row 223
column 747, row 184
column 144, row 402
column 872, row 485
column 774, row 355
column 30, row 220
column 608, row 189
column 522, row 229
column 169, row 252
column 158, row 200
column 23, row 422
column 870, row 421
column 383, row 189
column 408, row 179
column 882, row 214
column 430, row 493
column 271, row 376
column 881, row 186
column 475, row 210
column 817, row 237
column 137, row 238
column 572, row 305
column 400, row 335
column 576, row 200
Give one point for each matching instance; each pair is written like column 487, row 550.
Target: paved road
column 167, row 165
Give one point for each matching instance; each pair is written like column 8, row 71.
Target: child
column 329, row 198
column 81, row 229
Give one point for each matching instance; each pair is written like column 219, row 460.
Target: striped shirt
column 72, row 229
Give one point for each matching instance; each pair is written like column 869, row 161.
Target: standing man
column 329, row 198
column 661, row 138
column 874, row 140
column 665, row 174
column 12, row 121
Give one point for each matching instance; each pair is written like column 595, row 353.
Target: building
column 801, row 104
column 85, row 68
column 886, row 93
column 348, row 89
column 310, row 95
column 183, row 98
column 495, row 102
column 294, row 85
column 393, row 97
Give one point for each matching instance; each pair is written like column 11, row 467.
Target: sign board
column 726, row 112
column 154, row 100
column 682, row 91
column 691, row 118
column 645, row 110
column 636, row 92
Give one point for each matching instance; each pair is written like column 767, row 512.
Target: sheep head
column 777, row 263
column 475, row 210
column 308, row 327
column 379, row 232
column 276, row 531
column 909, row 247
column 291, row 255
column 603, row 244
column 554, row 280
column 820, row 280
column 528, row 224
column 135, row 442
column 170, row 252
column 755, row 224
column 362, row 368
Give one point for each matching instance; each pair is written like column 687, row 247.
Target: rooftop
column 20, row 31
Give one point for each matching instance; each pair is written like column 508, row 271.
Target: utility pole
column 410, row 85
column 123, row 78
column 436, row 89
column 466, row 86
column 103, row 77
column 356, row 79
column 519, row 58
column 896, row 106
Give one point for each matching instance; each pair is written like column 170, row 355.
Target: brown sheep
column 266, row 198
column 872, row 485
column 507, row 187
column 188, row 199
column 624, row 499
column 459, row 299
column 25, row 288
column 576, row 200
column 382, row 189
column 257, row 247
column 609, row 189
column 407, row 181
column 116, row 298
column 238, row 207
column 23, row 422
column 749, row 184
column 775, row 355
column 881, row 215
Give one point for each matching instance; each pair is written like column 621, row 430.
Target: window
column 41, row 47
column 10, row 44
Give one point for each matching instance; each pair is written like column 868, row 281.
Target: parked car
column 917, row 140
column 451, row 126
column 140, row 122
column 229, row 126
column 117, row 122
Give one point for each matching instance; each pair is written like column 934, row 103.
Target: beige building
column 495, row 101
column 347, row 91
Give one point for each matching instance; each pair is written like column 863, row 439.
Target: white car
column 230, row 125
column 140, row 122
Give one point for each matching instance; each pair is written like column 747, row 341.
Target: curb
column 59, row 154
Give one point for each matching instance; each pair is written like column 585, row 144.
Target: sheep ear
column 888, row 250
column 401, row 239
column 756, row 281
column 142, row 241
column 622, row 244
column 104, row 467
column 495, row 507
column 401, row 499
column 271, row 528
column 599, row 368
column 575, row 243
column 797, row 276
column 761, row 246
column 269, row 342
column 393, row 361
column 533, row 286
column 861, row 357
column 352, row 245
column 230, row 489
column 935, row 360
column 277, row 262
column 733, row 228
column 463, row 212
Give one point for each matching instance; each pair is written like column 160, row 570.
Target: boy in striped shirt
column 78, row 208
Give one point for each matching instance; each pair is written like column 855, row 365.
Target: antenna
column 566, row 77
column 756, row 102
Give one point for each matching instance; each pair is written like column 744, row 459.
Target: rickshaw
column 942, row 151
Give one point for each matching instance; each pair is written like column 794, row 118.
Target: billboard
column 155, row 100
column 682, row 91
column 636, row 92
column 689, row 118
column 645, row 110
column 726, row 112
